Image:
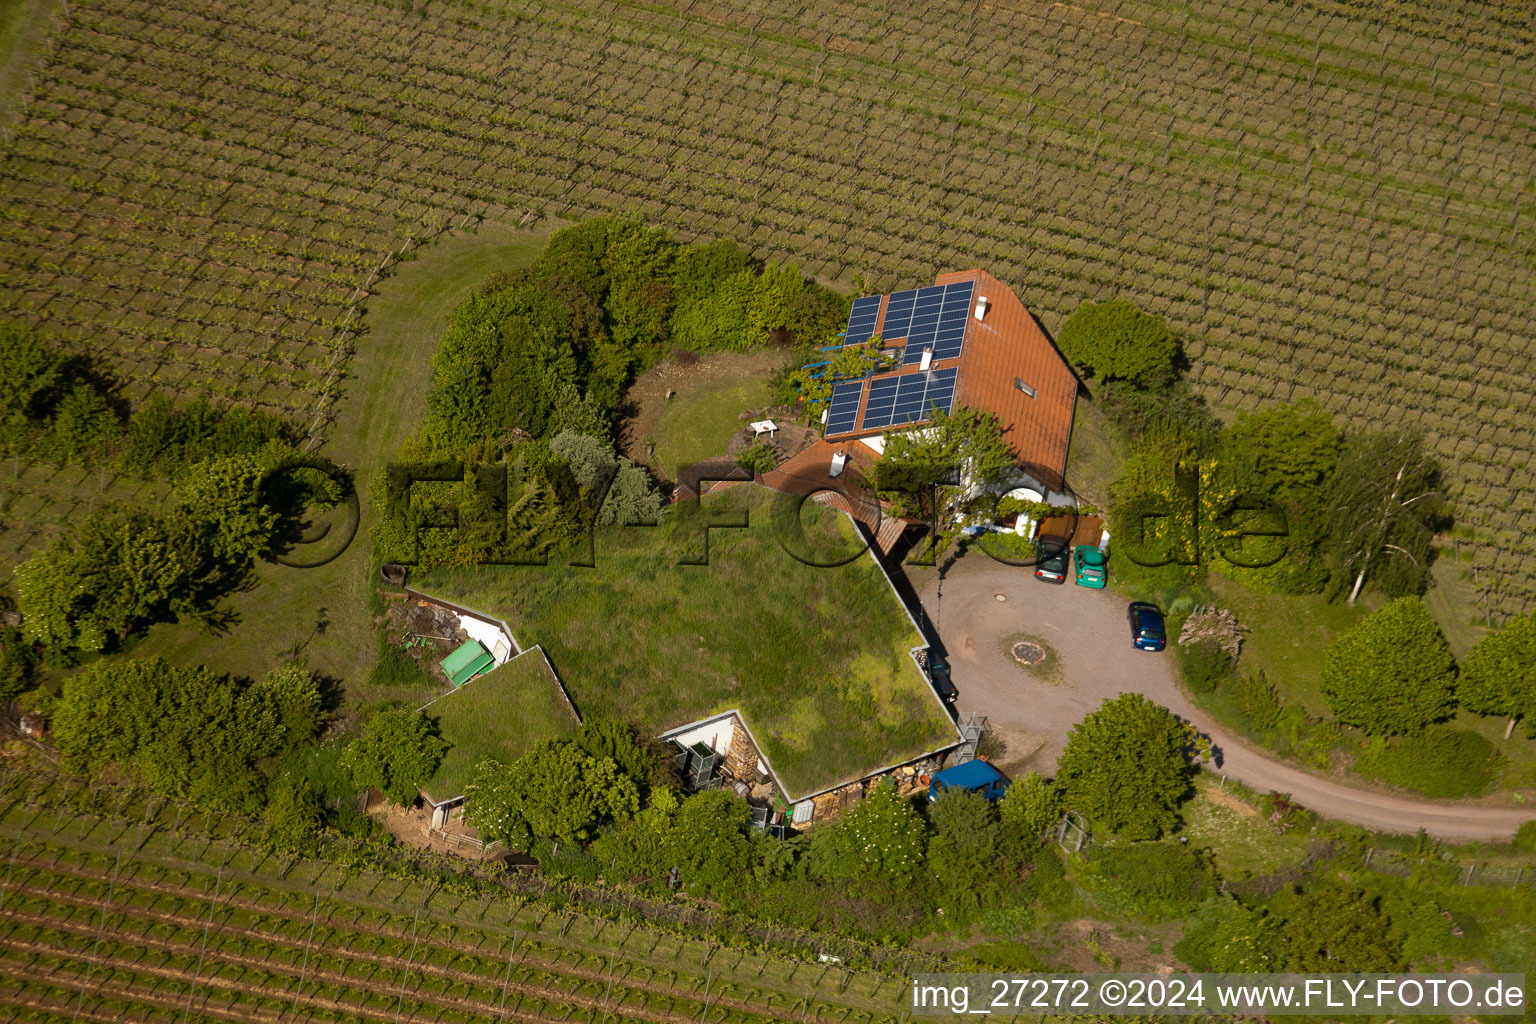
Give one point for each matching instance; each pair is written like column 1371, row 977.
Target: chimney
column 981, row 307
column 839, row 460
column 927, row 359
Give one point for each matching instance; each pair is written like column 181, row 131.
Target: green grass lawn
column 815, row 658
column 1097, row 455
column 500, row 715
column 1242, row 843
column 1287, row 637
column 1453, row 602
column 697, row 422
column 324, row 614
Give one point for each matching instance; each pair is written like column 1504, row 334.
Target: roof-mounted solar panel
column 861, row 319
column 843, row 410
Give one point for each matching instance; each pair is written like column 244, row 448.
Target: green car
column 1090, row 567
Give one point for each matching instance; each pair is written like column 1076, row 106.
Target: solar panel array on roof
column 861, row 320
column 898, row 400
column 843, row 410
column 937, row 321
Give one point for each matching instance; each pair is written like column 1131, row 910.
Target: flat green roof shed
column 467, row 662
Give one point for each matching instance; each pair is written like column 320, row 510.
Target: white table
column 761, row 427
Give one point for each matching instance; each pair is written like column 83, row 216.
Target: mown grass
column 705, row 410
column 323, row 615
column 500, row 715
column 815, row 658
column 1242, row 843
column 1097, row 455
column 1287, row 637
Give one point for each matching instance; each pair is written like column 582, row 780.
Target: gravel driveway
column 982, row 604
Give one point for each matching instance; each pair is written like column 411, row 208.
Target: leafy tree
column 1170, row 420
column 623, row 492
column 1525, row 837
column 31, row 376
column 1499, row 675
column 966, row 859
column 1030, row 806
column 879, row 841
column 1392, row 673
column 757, row 458
column 709, row 843
column 611, row 739
column 18, row 664
column 189, row 732
column 812, row 385
column 716, row 320
column 119, row 570
column 293, row 817
column 291, row 696
column 556, row 790
column 638, row 263
column 1340, row 930
column 83, row 421
column 511, row 356
column 163, row 437
column 1385, row 505
column 1115, row 341
column 927, row 473
column 1126, row 767
column 1290, row 449
column 398, row 750
column 698, row 269
column 222, row 498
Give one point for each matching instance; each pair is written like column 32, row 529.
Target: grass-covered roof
column 815, row 657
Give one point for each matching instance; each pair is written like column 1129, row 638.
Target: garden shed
column 467, row 662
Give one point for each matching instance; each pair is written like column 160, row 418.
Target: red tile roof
column 1007, row 346
column 808, row 472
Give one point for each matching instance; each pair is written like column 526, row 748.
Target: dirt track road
column 1090, row 636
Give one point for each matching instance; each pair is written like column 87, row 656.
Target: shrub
column 1204, row 666
column 1525, row 837
column 1342, row 931
column 1223, row 935
column 1436, row 762
column 1116, row 341
column 397, row 668
column 1153, row 881
column 758, row 458
column 1126, row 767
column 1392, row 673
column 1254, row 696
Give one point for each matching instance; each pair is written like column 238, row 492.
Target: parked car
column 1051, row 556
column 938, row 671
column 977, row 776
column 1090, row 567
column 1147, row 630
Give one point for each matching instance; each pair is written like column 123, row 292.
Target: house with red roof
column 966, row 340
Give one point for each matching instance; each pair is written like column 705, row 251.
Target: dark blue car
column 1147, row 626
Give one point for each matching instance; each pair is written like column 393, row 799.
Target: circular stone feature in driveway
column 1028, row 653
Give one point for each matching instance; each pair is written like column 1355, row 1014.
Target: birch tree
column 1384, row 505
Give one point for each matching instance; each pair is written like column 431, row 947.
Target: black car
column 1147, row 630
column 938, row 671
column 1051, row 554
